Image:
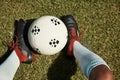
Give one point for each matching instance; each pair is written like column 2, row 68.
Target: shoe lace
column 74, row 35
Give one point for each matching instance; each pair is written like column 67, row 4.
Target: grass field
column 99, row 19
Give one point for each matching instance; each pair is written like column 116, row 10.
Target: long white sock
column 9, row 67
column 87, row 59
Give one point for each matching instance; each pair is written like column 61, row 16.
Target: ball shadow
column 62, row 68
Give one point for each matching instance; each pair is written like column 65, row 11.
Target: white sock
column 9, row 67
column 87, row 59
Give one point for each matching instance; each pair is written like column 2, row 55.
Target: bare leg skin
column 101, row 72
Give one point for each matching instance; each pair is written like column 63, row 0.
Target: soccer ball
column 47, row 35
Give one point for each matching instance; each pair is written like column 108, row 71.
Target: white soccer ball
column 47, row 35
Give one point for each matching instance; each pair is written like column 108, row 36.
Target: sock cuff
column 92, row 64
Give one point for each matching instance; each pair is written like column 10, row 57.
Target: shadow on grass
column 62, row 68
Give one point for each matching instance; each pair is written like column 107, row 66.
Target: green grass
column 99, row 19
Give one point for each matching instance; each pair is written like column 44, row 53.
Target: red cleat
column 73, row 34
column 22, row 51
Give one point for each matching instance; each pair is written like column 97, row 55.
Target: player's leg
column 89, row 62
column 9, row 67
column 20, row 53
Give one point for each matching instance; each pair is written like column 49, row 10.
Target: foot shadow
column 62, row 68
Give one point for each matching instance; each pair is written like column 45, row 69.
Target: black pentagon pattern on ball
column 55, row 21
column 54, row 42
column 35, row 30
column 37, row 50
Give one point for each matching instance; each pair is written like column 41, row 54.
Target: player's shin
column 87, row 59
